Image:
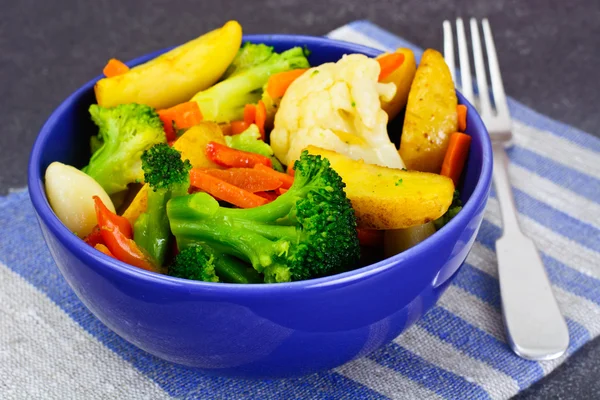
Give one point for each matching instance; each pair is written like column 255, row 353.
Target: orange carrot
column 290, row 170
column 461, row 110
column 224, row 191
column 456, row 155
column 286, row 180
column 281, row 191
column 238, row 127
column 261, row 118
column 183, row 116
column 114, row 67
column 104, row 249
column 269, row 196
column 252, row 180
column 389, row 63
column 249, row 113
column 226, row 129
column 232, row 158
column 370, row 237
column 279, row 82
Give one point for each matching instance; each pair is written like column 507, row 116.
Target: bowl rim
column 95, row 259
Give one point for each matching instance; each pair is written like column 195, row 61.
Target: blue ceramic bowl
column 268, row 330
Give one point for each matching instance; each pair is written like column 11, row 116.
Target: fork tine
column 495, row 76
column 484, row 96
column 449, row 49
column 463, row 57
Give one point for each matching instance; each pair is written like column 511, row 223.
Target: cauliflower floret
column 336, row 106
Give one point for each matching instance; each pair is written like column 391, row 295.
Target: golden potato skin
column 386, row 198
column 430, row 115
column 174, row 77
column 138, row 205
column 402, row 78
column 192, row 144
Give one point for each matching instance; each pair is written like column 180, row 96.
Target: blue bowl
column 260, row 331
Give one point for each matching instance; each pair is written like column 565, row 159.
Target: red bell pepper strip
column 227, row 157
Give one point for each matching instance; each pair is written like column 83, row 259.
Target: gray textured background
column 48, row 48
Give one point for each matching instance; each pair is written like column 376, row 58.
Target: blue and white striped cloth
column 52, row 347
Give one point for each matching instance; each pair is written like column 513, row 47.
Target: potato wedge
column 192, row 144
column 430, row 115
column 402, row 78
column 138, row 205
column 175, row 76
column 386, row 198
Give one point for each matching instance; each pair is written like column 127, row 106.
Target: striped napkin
column 51, row 346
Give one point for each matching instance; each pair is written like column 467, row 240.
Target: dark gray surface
column 48, row 48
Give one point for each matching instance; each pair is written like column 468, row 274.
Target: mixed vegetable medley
column 225, row 161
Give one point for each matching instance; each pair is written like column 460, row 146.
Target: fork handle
column 503, row 190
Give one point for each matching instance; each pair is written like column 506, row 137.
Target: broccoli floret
column 225, row 101
column 249, row 140
column 168, row 176
column 454, row 209
column 308, row 232
column 200, row 262
column 125, row 131
column 248, row 56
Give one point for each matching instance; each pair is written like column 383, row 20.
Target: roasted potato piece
column 192, row 144
column 397, row 240
column 430, row 115
column 386, row 198
column 138, row 205
column 175, row 76
column 402, row 78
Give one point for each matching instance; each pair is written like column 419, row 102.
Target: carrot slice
column 238, row 127
column 461, row 110
column 224, row 191
column 389, row 63
column 232, row 158
column 290, row 170
column 261, row 118
column 249, row 113
column 281, row 191
column 370, row 237
column 252, row 180
column 269, row 196
column 104, row 249
column 226, row 129
column 183, row 116
column 456, row 155
column 286, row 180
column 279, row 82
column 114, row 67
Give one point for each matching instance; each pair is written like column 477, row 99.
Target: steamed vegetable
column 249, row 140
column 402, row 77
column 430, row 115
column 337, row 106
column 192, row 144
column 70, row 193
column 125, row 131
column 307, row 232
column 174, row 76
column 226, row 100
column 453, row 210
column 386, row 198
column 168, row 176
column 398, row 240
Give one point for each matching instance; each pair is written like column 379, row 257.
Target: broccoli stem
column 231, row 270
column 151, row 230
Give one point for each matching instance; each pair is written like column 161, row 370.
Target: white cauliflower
column 336, row 106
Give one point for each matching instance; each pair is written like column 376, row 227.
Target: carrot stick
column 238, row 127
column 232, row 158
column 183, row 116
column 461, row 110
column 261, row 118
column 250, row 179
column 224, row 191
column 290, row 170
column 249, row 113
column 281, row 191
column 269, row 196
column 114, row 67
column 389, row 63
column 226, row 129
column 456, row 155
column 286, row 180
column 370, row 237
column 279, row 82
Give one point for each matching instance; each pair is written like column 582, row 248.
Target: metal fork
column 535, row 327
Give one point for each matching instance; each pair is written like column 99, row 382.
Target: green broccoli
column 308, row 232
column 168, row 176
column 225, row 101
column 454, row 209
column 125, row 131
column 249, row 140
column 247, row 57
column 202, row 263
